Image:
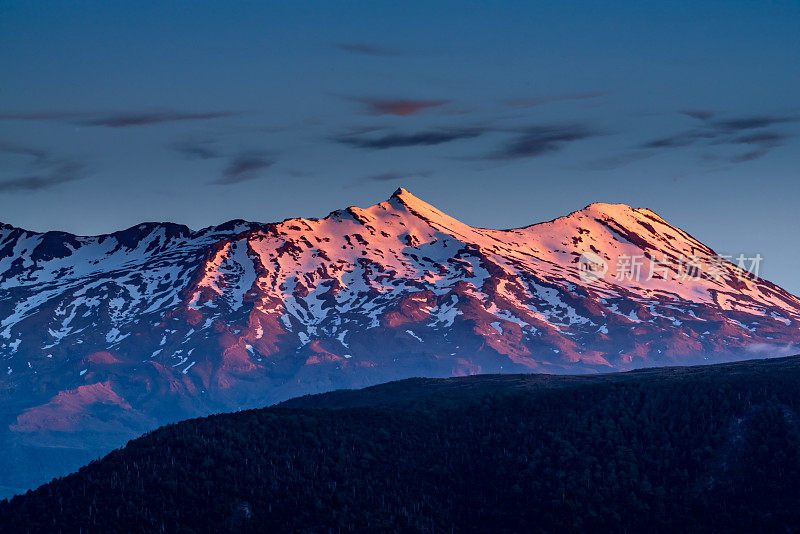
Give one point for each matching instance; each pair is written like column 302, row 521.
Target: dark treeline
column 706, row 449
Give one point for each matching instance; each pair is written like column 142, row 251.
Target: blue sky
column 500, row 114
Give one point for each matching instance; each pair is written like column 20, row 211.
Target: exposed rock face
column 118, row 333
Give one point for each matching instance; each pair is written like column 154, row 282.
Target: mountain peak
column 619, row 213
column 400, row 191
column 414, row 204
column 406, row 198
column 608, row 207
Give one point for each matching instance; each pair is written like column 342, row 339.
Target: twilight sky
column 502, row 115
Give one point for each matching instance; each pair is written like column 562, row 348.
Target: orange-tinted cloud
column 401, row 107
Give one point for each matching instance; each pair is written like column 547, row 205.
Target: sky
column 500, row 114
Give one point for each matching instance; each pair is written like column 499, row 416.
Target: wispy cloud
column 740, row 131
column 125, row 120
column 526, row 143
column 750, row 123
column 540, row 140
column 392, row 176
column 59, row 174
column 196, row 149
column 748, row 133
column 701, row 114
column 366, row 49
column 43, row 171
column 244, row 167
column 761, row 143
column 399, row 106
column 422, row 138
column 760, row 138
column 37, row 155
column 389, row 177
column 120, row 119
column 679, row 140
column 541, row 100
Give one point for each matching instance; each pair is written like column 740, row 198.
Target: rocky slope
column 104, row 337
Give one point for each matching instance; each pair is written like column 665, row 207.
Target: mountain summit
column 105, row 337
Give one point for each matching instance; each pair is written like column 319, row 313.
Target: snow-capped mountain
column 104, row 337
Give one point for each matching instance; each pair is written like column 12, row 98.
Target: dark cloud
column 389, row 177
column 540, row 140
column 679, row 140
column 195, row 149
column 241, row 167
column 42, row 169
column 36, row 154
column 366, row 49
column 244, row 167
column 57, row 172
column 761, row 144
column 423, row 138
column 538, row 101
column 769, row 138
column 401, row 107
column 118, row 119
column 750, row 123
column 732, row 132
column 750, row 155
column 530, row 142
column 700, row 114
column 392, row 176
column 125, row 120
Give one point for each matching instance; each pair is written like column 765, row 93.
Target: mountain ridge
column 156, row 325
column 398, row 193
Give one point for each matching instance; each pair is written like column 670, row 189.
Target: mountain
column 693, row 449
column 103, row 338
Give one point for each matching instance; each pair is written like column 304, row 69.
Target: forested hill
column 471, row 388
column 713, row 448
